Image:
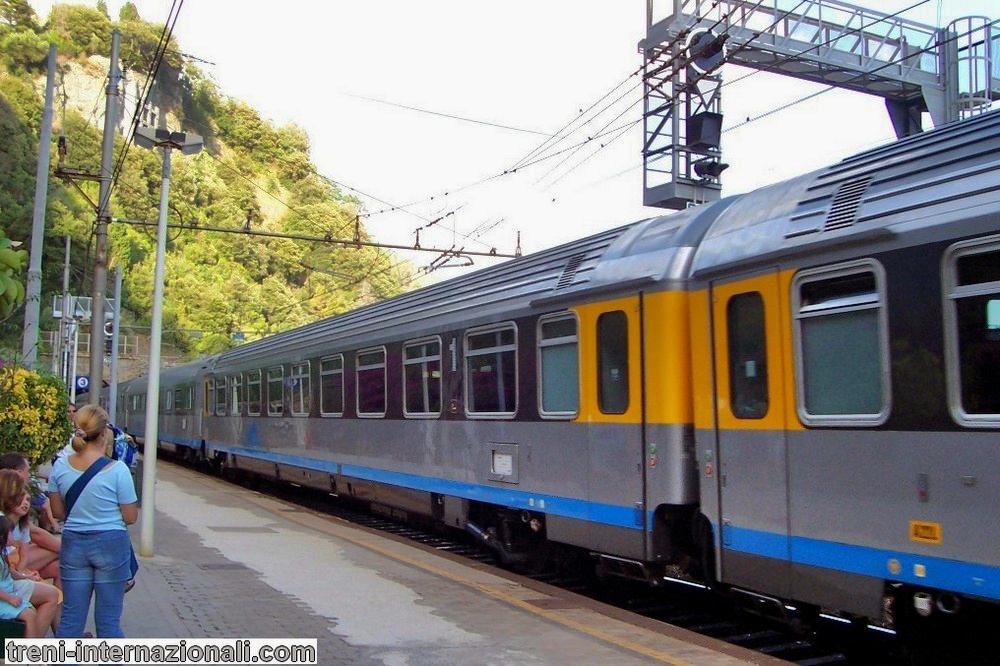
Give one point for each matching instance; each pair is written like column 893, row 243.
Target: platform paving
column 230, row 562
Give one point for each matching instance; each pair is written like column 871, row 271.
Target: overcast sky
column 529, row 66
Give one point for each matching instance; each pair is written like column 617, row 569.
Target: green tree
column 18, row 14
column 85, row 28
column 128, row 12
column 17, row 171
column 24, row 51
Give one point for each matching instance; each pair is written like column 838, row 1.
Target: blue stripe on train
column 966, row 577
column 608, row 514
column 981, row 580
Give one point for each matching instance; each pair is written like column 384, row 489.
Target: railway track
column 675, row 602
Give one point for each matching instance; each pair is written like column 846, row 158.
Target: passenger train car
column 793, row 393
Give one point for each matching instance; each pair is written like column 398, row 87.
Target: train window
column 491, row 371
column 972, row 315
column 612, row 362
column 422, row 378
column 275, row 391
column 331, row 378
column 209, row 399
column 748, row 397
column 235, row 394
column 842, row 356
column 300, row 389
column 371, row 382
column 168, row 404
column 253, row 393
column 558, row 366
column 220, row 396
column 188, row 399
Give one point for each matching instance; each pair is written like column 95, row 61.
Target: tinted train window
column 300, row 389
column 169, row 402
column 972, row 290
column 235, row 394
column 558, row 366
column 253, row 393
column 331, row 378
column 220, row 396
column 275, row 391
column 422, row 378
column 842, row 350
column 491, row 371
column 371, row 382
column 209, row 396
column 612, row 362
column 748, row 398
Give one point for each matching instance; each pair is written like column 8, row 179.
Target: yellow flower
column 33, row 420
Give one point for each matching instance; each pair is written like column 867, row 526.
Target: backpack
column 124, row 448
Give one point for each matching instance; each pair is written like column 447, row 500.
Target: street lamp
column 188, row 144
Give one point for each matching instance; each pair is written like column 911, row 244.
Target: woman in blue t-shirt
column 95, row 545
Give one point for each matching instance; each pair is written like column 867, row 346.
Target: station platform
column 230, row 562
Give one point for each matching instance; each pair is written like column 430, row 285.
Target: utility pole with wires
column 101, row 233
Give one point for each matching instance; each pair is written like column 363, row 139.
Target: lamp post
column 188, row 144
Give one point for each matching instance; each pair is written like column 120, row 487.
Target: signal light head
column 709, row 167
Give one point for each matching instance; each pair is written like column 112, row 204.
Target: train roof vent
column 569, row 272
column 846, row 202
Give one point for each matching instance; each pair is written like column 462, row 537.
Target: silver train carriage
column 793, row 392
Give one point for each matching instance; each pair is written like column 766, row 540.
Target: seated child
column 26, row 599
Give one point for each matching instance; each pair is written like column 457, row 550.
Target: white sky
column 530, row 64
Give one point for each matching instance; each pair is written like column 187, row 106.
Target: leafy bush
column 33, row 418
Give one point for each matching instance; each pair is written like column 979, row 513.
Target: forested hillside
column 250, row 173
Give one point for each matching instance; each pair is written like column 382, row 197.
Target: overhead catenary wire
column 165, row 35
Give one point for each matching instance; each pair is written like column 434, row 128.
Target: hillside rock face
column 82, row 86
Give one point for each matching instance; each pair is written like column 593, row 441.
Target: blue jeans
column 93, row 564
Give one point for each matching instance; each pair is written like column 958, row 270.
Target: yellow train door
column 747, row 342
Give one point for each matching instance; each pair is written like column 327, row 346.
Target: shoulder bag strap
column 74, row 491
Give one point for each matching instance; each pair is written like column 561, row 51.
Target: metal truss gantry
column 950, row 73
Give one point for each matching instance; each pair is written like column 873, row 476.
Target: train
column 791, row 394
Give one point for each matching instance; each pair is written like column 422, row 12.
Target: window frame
column 301, row 396
column 540, row 344
column 731, row 342
column 800, row 313
column 236, row 394
column 221, row 405
column 422, row 360
column 599, row 363
column 255, row 378
column 466, row 379
column 280, row 382
column 208, row 398
column 951, row 293
column 358, row 368
column 343, row 385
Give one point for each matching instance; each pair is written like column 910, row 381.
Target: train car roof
column 648, row 251
column 881, row 195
